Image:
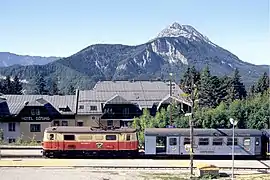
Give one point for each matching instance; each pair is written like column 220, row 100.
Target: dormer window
column 35, row 112
column 64, row 109
column 93, row 108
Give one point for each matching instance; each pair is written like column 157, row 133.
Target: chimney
column 77, row 92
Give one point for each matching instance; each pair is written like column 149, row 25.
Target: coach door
column 173, row 145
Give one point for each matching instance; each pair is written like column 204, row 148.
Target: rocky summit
column 174, row 49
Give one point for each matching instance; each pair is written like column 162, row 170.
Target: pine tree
column 191, row 75
column 40, row 86
column 16, row 86
column 54, row 88
column 71, row 90
column 252, row 90
column 7, row 86
column 236, row 88
column 206, row 94
column 263, row 83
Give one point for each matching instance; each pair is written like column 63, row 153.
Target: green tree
column 142, row 122
column 54, row 88
column 40, row 86
column 71, row 90
column 205, row 90
column 236, row 88
column 262, row 84
column 16, row 86
column 7, row 85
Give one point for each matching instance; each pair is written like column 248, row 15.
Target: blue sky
column 64, row 27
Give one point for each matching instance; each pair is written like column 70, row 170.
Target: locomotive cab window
column 128, row 137
column 229, row 141
column 69, row 137
column 110, row 137
column 246, row 142
column 173, row 141
column 203, row 141
column 217, row 141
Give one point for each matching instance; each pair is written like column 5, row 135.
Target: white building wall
column 10, row 134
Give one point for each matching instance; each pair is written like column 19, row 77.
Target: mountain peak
column 178, row 30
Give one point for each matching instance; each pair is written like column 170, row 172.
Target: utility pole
column 170, row 99
column 191, row 124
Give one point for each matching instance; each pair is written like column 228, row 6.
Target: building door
column 173, row 145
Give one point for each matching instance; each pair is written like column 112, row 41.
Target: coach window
column 56, row 123
column 98, row 137
column 79, row 123
column 69, row 137
column 110, row 137
column 229, row 141
column 203, row 141
column 246, row 142
column 173, row 141
column 217, row 141
column 128, row 137
column 186, row 141
column 64, row 123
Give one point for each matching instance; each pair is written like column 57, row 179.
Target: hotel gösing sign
column 38, row 118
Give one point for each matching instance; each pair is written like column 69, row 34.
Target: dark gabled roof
column 37, row 102
column 116, row 99
column 4, row 109
column 78, row 129
column 200, row 132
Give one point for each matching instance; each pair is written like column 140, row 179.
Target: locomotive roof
column 78, row 129
column 200, row 132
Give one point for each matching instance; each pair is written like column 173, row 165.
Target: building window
column 110, row 123
column 81, row 107
column 93, row 108
column 35, row 112
column 80, row 123
column 125, row 111
column 64, row 123
column 69, row 137
column 93, row 117
column 229, row 141
column 172, row 141
column 110, row 137
column 217, row 141
column 56, row 123
column 203, row 141
column 11, row 140
column 35, row 128
column 12, row 127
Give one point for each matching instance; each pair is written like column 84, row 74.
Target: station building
column 109, row 104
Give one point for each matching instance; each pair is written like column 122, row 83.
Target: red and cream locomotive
column 85, row 141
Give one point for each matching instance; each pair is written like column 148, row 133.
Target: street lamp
column 234, row 123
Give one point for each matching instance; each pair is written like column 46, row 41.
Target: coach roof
column 78, row 129
column 200, row 132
